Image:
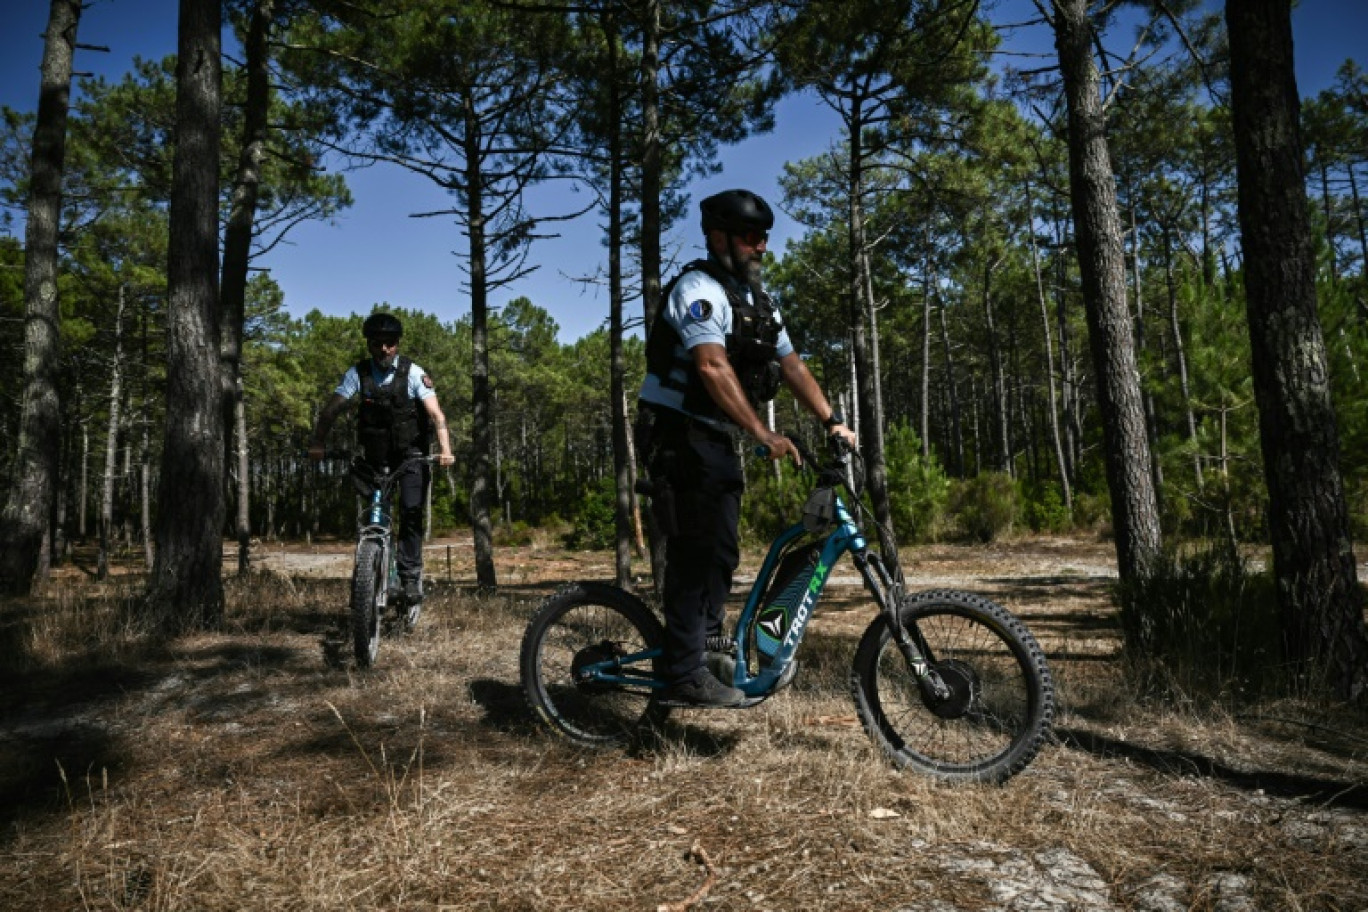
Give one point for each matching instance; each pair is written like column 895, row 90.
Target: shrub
column 1092, row 511
column 513, row 535
column 1045, row 509
column 593, row 527
column 773, row 502
column 1201, row 621
column 918, row 490
column 450, row 504
column 986, row 505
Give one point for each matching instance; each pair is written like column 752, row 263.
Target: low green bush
column 918, row 490
column 985, row 506
column 593, row 526
column 1202, row 621
column 1045, row 510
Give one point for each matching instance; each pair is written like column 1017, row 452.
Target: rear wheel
column 368, row 579
column 1000, row 701
column 588, row 626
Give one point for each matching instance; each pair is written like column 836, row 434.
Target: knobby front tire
column 367, row 580
column 583, row 624
column 1002, row 699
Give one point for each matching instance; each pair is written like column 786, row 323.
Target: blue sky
column 375, row 252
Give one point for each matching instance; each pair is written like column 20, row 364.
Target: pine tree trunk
column 1068, row 369
column 83, row 502
column 1313, row 558
column 652, row 179
column 924, row 426
column 1329, row 210
column 186, row 589
column 145, row 493
column 107, row 479
column 1056, row 438
column 952, row 392
column 1359, row 219
column 1180, row 356
column 862, row 320
column 1097, row 225
column 1147, row 396
column 237, row 248
column 27, row 514
column 622, row 473
column 481, row 442
column 652, row 182
column 1002, row 435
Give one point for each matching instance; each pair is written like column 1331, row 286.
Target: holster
column 657, row 462
column 663, row 506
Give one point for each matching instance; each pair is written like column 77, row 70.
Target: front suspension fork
column 888, row 592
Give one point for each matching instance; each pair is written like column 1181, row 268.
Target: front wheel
column 368, row 578
column 1000, row 701
column 583, row 665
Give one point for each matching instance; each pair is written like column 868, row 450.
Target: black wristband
column 834, row 420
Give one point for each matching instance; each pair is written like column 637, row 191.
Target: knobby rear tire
column 367, row 580
column 584, row 623
column 1004, row 702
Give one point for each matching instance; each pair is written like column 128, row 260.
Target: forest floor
column 257, row 767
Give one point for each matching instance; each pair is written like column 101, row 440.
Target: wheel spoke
column 1001, row 697
column 578, row 629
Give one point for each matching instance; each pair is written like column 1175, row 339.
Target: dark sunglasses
column 754, row 238
column 385, row 341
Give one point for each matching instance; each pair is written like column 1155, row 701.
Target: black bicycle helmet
column 382, row 324
column 736, row 212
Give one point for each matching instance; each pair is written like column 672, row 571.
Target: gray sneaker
column 701, row 689
column 722, row 665
column 720, row 657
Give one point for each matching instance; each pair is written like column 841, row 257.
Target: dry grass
column 258, row 768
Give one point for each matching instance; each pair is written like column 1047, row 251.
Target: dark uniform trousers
column 412, row 486
column 703, row 550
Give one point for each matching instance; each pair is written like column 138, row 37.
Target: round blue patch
column 700, row 309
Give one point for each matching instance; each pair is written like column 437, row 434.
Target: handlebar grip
column 804, row 456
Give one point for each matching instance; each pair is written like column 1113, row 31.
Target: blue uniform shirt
column 350, row 384
column 699, row 312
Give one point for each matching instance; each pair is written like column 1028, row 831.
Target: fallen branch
column 702, row 892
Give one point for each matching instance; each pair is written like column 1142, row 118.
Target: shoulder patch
column 427, row 381
column 700, row 309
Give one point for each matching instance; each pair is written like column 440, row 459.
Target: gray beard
column 748, row 274
column 752, row 276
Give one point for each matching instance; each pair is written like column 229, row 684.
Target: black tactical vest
column 751, row 347
column 390, row 424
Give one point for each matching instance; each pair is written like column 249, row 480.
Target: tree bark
column 1180, row 356
column 1002, row 458
column 107, row 477
column 1313, row 559
column 862, row 321
column 1060, row 462
column 27, row 514
column 652, row 178
column 924, row 425
column 82, row 501
column 1097, row 228
column 237, row 249
column 956, row 447
column 186, row 588
column 481, row 438
column 622, row 470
